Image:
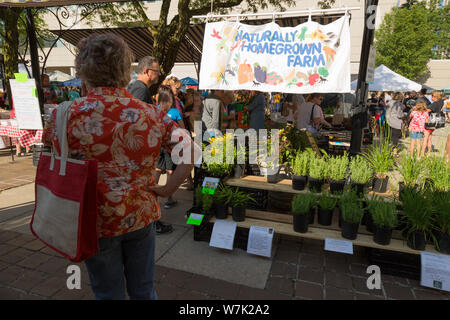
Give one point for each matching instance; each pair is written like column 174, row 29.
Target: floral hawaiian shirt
column 124, row 135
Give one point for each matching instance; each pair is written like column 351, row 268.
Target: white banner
column 305, row 59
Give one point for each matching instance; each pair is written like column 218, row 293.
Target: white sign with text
column 435, row 271
column 341, row 246
column 260, row 241
column 222, row 235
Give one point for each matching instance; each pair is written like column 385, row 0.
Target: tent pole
column 31, row 31
column 359, row 117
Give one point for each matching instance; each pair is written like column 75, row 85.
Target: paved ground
column 15, row 173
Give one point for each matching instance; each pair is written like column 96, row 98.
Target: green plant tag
column 195, row 219
column 21, row 77
column 210, row 185
column 35, row 92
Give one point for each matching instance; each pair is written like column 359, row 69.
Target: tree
column 407, row 35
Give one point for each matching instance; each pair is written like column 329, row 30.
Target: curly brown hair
column 104, row 60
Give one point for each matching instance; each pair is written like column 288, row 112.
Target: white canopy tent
column 59, row 76
column 387, row 80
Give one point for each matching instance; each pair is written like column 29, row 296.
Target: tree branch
column 216, row 5
column 148, row 23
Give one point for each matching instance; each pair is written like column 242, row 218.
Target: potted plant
column 381, row 158
column 317, row 169
column 348, row 196
column 352, row 213
column 337, row 172
column 239, row 201
column 326, row 207
column 207, row 204
column 441, row 204
column 222, row 199
column 384, row 218
column 301, row 205
column 410, row 169
column 418, row 211
column 437, row 172
column 360, row 174
column 300, row 170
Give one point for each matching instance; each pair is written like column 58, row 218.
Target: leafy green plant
column 327, row 202
column 418, row 210
column 410, row 168
column 337, row 167
column 441, row 208
column 207, row 202
column 351, row 207
column 381, row 155
column 223, row 194
column 438, row 170
column 383, row 213
column 198, row 196
column 360, row 170
column 302, row 202
column 317, row 167
column 241, row 198
column 301, row 163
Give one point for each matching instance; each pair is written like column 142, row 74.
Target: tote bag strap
column 62, row 114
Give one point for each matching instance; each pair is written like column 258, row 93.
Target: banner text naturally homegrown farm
column 268, row 42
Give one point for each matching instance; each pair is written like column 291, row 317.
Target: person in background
column 436, row 107
column 175, row 84
column 419, row 117
column 73, row 94
column 421, row 96
column 126, row 193
column 228, row 115
column 309, row 116
column 257, row 109
column 148, row 74
column 394, row 117
column 193, row 111
column 212, row 112
column 446, row 108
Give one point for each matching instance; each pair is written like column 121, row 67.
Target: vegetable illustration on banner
column 307, row 58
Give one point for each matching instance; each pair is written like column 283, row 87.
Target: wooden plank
column 320, row 234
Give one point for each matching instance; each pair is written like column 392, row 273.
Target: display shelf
column 316, row 233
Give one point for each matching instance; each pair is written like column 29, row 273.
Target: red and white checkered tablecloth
column 26, row 138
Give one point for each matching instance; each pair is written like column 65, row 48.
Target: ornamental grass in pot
column 337, row 173
column 418, row 210
column 239, row 201
column 317, row 169
column 352, row 213
column 410, row 168
column 222, row 199
column 360, row 174
column 381, row 159
column 327, row 203
column 300, row 170
column 301, row 206
column 384, row 217
column 437, row 172
column 441, row 207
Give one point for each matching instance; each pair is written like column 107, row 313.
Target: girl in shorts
column 419, row 116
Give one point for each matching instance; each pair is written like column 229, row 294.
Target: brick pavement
column 300, row 270
column 17, row 173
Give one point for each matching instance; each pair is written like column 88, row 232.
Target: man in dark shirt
column 148, row 74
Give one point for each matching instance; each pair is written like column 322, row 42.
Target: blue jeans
column 129, row 257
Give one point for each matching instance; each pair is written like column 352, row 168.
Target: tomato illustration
column 299, row 84
column 313, row 78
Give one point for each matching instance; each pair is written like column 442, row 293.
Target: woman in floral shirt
column 419, row 117
column 124, row 135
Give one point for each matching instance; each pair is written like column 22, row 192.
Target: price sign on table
column 210, row 185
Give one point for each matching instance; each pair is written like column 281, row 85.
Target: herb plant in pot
column 222, row 199
column 207, row 204
column 301, row 205
column 352, row 214
column 239, row 201
column 381, row 158
column 337, row 172
column 418, row 210
column 300, row 170
column 410, row 168
column 326, row 207
column 360, row 174
column 441, row 204
column 317, row 169
column 384, row 218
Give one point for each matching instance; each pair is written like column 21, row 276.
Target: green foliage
column 317, row 167
column 381, row 155
column 207, row 201
column 198, row 196
column 418, row 210
column 301, row 163
column 440, row 201
column 360, row 170
column 327, row 202
column 223, row 194
column 406, row 37
column 438, row 170
column 410, row 168
column 383, row 213
column 351, row 211
column 241, row 198
column 337, row 167
column 302, row 203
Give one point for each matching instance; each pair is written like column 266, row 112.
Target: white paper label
column 260, row 241
column 435, row 271
column 339, row 246
column 222, row 235
column 26, row 104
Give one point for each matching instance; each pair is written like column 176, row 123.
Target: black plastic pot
column 401, row 218
column 324, row 217
column 299, row 182
column 359, row 188
column 337, row 186
column 221, row 210
column 349, row 230
column 369, row 223
column 273, row 178
column 417, row 240
column 300, row 222
column 312, row 214
column 444, row 243
column 338, row 212
column 238, row 213
column 315, row 185
column 380, row 184
column 382, row 235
